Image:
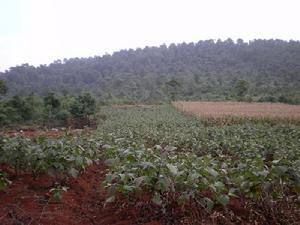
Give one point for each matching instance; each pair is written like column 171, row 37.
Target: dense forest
column 258, row 70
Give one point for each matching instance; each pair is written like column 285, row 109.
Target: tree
column 172, row 88
column 83, row 106
column 35, row 103
column 51, row 102
column 21, row 110
column 241, row 88
column 3, row 88
column 196, row 65
column 52, row 108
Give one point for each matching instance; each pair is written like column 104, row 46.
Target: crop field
column 220, row 109
column 156, row 165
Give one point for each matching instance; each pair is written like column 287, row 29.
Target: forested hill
column 205, row 70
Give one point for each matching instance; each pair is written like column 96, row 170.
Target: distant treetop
column 209, row 69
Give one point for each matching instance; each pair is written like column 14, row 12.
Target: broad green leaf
column 223, row 199
column 128, row 188
column 280, row 170
column 212, row 172
column 156, row 199
column 73, row 172
column 207, row 203
column 138, row 181
column 173, row 169
column 110, row 199
column 110, row 162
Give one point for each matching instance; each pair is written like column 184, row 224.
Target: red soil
column 28, row 202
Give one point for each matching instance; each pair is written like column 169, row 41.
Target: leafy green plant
column 4, row 182
column 83, row 106
column 162, row 152
column 67, row 155
column 171, row 156
column 57, row 192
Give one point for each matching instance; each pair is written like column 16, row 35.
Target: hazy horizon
column 39, row 32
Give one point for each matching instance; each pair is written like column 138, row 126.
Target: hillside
column 260, row 69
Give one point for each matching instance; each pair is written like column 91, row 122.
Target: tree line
column 49, row 111
column 258, row 70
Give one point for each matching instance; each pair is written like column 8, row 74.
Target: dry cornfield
column 240, row 109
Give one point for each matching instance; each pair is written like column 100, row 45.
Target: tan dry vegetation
column 124, row 106
column 240, row 109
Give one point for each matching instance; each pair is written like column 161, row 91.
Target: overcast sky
column 40, row 31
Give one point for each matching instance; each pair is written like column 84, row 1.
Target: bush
column 83, row 106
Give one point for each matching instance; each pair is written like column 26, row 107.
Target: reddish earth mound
column 28, row 202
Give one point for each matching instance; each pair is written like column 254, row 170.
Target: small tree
column 21, row 110
column 52, row 107
column 3, row 88
column 172, row 88
column 35, row 103
column 83, row 106
column 241, row 88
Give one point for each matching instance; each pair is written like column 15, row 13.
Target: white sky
column 40, row 31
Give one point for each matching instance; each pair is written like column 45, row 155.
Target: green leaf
column 110, row 162
column 231, row 192
column 173, row 169
column 276, row 161
column 163, row 184
column 280, row 170
column 73, row 172
column 110, row 199
column 122, row 177
column 138, row 181
column 88, row 161
column 207, row 203
column 212, row 172
column 158, row 147
column 223, row 199
column 57, row 196
column 128, row 188
column 64, row 188
column 147, row 165
column 170, row 148
column 156, row 199
column 3, row 184
column 183, row 198
column 219, row 185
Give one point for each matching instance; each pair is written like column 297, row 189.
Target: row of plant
column 171, row 156
column 163, row 125
column 161, row 171
column 66, row 155
column 160, row 151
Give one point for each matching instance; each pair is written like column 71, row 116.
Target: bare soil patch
column 28, row 201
